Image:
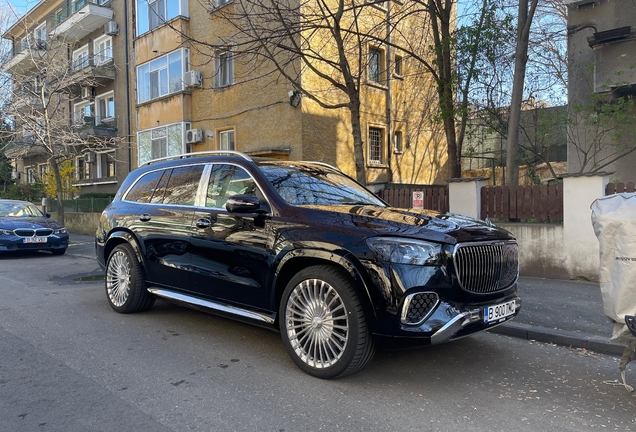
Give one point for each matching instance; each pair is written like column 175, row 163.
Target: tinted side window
column 183, row 185
column 145, row 186
column 225, row 181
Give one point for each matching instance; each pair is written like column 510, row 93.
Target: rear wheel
column 323, row 325
column 125, row 287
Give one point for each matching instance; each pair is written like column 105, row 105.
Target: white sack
column 614, row 221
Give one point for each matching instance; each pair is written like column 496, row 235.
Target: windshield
column 19, row 210
column 305, row 184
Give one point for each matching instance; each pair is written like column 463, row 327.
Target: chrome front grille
column 488, row 267
column 28, row 232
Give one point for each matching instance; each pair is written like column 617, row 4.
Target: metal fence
column 81, row 205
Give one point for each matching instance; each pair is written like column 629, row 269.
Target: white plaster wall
column 464, row 197
column 580, row 242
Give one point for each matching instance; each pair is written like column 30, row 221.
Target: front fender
column 118, row 237
column 313, row 256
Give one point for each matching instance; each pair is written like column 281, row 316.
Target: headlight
column 405, row 251
column 60, row 231
column 6, row 232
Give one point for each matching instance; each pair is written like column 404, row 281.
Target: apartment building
column 196, row 92
column 175, row 82
column 70, row 84
column 602, row 76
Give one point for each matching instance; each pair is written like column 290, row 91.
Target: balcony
column 614, row 69
column 80, row 18
column 104, row 127
column 25, row 56
column 89, row 71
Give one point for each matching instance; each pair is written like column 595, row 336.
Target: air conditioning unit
column 89, row 157
column 193, row 78
column 111, row 28
column 194, row 136
column 87, row 92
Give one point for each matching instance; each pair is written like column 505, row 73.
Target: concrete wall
column 81, row 223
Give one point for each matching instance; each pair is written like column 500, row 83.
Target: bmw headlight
column 6, row 232
column 406, row 251
column 60, row 231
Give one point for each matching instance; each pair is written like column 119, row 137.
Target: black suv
column 302, row 248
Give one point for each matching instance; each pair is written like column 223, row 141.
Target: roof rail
column 203, row 153
column 326, row 165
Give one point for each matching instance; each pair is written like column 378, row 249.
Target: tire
column 58, row 251
column 322, row 323
column 125, row 286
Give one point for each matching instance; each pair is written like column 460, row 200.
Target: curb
column 599, row 344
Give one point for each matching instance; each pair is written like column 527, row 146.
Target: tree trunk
column 58, row 185
column 521, row 59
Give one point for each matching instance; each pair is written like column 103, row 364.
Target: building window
column 161, row 142
column 80, row 58
column 39, row 36
column 103, row 50
column 84, row 114
column 397, row 66
column 43, row 169
column 162, row 76
column 153, row 13
column 226, row 140
column 375, row 65
column 105, row 105
column 398, row 146
column 220, row 3
column 376, row 137
column 83, row 167
column 224, row 69
column 31, row 175
column 106, row 164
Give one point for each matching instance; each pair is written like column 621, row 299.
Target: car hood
column 423, row 224
column 11, row 223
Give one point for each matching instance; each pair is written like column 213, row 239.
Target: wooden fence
column 619, row 188
column 523, row 203
column 434, row 198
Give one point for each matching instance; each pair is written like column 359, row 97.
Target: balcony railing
column 79, row 18
column 84, row 122
column 103, row 58
column 21, row 55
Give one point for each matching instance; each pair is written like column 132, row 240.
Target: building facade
column 602, row 85
column 181, row 82
column 69, row 92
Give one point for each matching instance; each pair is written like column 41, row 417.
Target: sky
column 21, row 5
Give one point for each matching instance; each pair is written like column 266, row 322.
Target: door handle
column 144, row 217
column 204, row 223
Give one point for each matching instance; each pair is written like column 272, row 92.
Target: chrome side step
column 210, row 305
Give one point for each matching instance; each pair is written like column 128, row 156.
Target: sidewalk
column 563, row 312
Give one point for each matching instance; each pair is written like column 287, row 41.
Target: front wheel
column 125, row 287
column 323, row 325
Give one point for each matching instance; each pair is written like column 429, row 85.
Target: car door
column 231, row 252
column 164, row 226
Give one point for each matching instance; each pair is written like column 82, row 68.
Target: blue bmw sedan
column 24, row 227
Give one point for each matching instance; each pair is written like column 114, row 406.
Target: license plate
column 35, row 239
column 499, row 312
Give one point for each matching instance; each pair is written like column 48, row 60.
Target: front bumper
column 449, row 321
column 15, row 243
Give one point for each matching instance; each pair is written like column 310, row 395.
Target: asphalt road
column 69, row 363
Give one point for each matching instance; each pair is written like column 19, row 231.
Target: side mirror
column 47, row 215
column 243, row 204
column 631, row 323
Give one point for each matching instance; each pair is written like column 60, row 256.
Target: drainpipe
column 389, row 89
column 128, row 128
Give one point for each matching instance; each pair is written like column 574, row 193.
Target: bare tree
column 43, row 87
